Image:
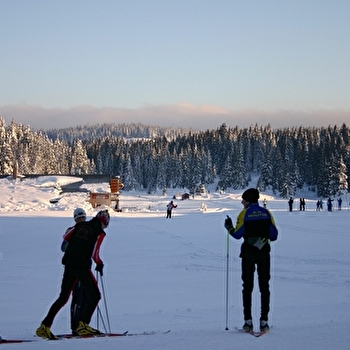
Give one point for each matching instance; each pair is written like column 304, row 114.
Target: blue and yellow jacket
column 256, row 225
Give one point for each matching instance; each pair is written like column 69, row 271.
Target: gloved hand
column 64, row 246
column 99, row 268
column 228, row 224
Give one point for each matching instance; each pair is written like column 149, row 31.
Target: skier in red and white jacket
column 84, row 242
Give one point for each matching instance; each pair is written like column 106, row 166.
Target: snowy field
column 163, row 274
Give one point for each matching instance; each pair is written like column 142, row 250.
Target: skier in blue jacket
column 257, row 227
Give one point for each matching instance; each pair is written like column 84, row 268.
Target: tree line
column 155, row 158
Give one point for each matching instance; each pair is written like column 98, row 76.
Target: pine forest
column 154, row 158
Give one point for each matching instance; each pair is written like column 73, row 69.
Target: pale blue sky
column 184, row 63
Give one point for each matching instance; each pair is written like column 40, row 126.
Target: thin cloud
column 186, row 115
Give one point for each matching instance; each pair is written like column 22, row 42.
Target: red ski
column 86, row 336
column 14, row 341
column 70, row 336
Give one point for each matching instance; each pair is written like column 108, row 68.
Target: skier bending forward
column 84, row 241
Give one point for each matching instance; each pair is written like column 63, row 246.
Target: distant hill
column 129, row 131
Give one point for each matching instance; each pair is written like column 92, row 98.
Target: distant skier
column 169, row 209
column 318, row 205
column 321, row 204
column 329, row 204
column 290, row 203
column 340, row 201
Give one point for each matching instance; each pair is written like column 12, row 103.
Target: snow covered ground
column 165, row 274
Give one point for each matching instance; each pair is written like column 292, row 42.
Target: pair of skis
column 86, row 336
column 254, row 334
column 127, row 333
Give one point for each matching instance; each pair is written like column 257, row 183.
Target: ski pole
column 99, row 313
column 227, row 275
column 98, row 310
column 105, row 302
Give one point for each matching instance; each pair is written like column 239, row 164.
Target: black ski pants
column 70, row 276
column 80, row 301
column 260, row 260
